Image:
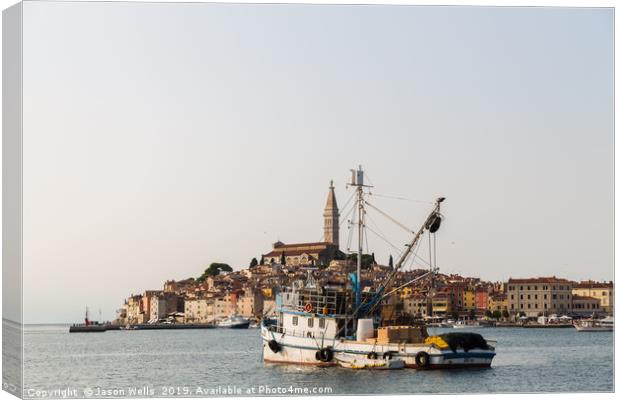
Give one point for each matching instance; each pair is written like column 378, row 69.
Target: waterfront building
column 441, row 304
column 469, row 300
column 133, row 307
column 481, row 294
column 315, row 253
column 198, row 310
column 417, row 304
column 603, row 291
column 164, row 305
column 250, row 303
column 498, row 302
column 586, row 305
column 539, row 296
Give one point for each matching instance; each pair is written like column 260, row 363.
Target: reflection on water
column 528, row 360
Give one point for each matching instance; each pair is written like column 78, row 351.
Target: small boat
column 128, row 327
column 593, row 325
column 363, row 362
column 233, row 322
column 464, row 324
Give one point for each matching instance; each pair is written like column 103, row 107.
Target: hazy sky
column 159, row 138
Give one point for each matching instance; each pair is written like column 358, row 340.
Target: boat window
column 310, row 322
column 295, row 321
column 321, row 323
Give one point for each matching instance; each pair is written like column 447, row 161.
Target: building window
column 520, row 287
column 512, row 297
column 529, row 305
column 310, row 322
column 545, row 297
column 295, row 320
column 528, row 296
column 528, row 288
column 536, row 305
column 535, row 287
column 521, row 297
column 512, row 307
column 535, row 296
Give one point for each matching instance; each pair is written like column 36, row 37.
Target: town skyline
column 213, row 135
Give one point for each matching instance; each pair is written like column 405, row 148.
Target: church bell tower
column 330, row 218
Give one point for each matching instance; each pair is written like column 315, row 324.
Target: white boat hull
column 303, row 350
column 594, row 328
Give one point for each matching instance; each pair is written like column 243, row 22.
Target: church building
column 317, row 253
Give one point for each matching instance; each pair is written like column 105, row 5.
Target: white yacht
column 233, row 322
column 326, row 326
column 593, row 325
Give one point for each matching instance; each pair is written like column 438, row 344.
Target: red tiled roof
column 577, row 297
column 594, row 285
column 285, row 246
column 551, row 279
column 278, row 253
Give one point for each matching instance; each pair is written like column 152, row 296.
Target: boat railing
column 311, row 301
column 292, row 332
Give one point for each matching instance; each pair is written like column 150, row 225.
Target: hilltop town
column 251, row 292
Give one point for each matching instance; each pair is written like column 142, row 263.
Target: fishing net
column 464, row 340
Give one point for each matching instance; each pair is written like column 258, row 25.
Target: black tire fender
column 372, row 355
column 274, row 346
column 422, row 359
column 327, row 354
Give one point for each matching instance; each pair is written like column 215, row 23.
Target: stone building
column 539, row 296
column 198, row 310
column 417, row 305
column 603, row 291
column 315, row 253
column 585, row 305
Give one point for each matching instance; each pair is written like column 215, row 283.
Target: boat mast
column 357, row 180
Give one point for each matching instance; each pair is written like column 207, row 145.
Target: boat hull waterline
column 302, row 350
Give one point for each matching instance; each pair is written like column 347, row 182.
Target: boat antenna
column 357, row 180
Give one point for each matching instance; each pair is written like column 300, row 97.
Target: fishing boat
column 327, row 325
column 593, row 325
column 233, row 322
column 89, row 325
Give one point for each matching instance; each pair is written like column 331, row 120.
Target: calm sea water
column 219, row 362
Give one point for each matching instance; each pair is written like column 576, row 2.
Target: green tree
column 497, row 314
column 366, row 260
column 282, row 259
column 254, row 262
column 214, row 269
column 262, row 260
column 505, row 313
column 488, row 314
column 391, row 262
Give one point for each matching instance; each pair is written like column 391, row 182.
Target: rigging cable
column 409, row 230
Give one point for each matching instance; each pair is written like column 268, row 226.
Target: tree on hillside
column 366, row 260
column 391, row 262
column 262, row 260
column 254, row 262
column 213, row 270
column 282, row 259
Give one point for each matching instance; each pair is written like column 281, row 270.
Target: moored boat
column 593, row 325
column 329, row 326
column 233, row 322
